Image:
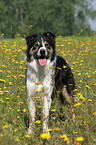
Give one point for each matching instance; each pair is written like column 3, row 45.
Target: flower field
column 80, row 53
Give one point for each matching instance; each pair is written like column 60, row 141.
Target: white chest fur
column 37, row 73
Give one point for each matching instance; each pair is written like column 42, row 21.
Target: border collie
column 46, row 73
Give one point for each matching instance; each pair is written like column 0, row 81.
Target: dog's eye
column 47, row 46
column 36, row 45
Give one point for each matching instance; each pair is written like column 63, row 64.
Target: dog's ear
column 49, row 35
column 30, row 38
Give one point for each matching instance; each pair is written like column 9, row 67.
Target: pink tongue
column 42, row 62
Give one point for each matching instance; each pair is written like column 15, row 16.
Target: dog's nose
column 42, row 51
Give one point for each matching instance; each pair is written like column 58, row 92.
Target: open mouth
column 42, row 61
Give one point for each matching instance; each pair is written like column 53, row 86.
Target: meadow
column 80, row 53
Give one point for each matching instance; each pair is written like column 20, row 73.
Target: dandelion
column 7, row 98
column 59, row 68
column 15, row 130
column 18, row 97
column 7, row 91
column 24, row 110
column 87, row 87
column 6, row 126
column 77, row 104
column 1, row 70
column 18, row 110
column 27, row 136
column 17, row 139
column 56, row 129
column 75, row 132
column 66, row 139
column 49, row 129
column 80, row 139
column 39, row 106
column 18, row 117
column 89, row 100
column 57, row 91
column 64, row 136
column 80, row 117
column 10, row 83
column 36, row 97
column 23, row 76
column 45, row 136
column 1, row 80
column 37, row 83
column 64, row 66
column 1, row 92
column 37, row 90
column 37, row 121
column 40, row 143
column 94, row 113
column 53, row 110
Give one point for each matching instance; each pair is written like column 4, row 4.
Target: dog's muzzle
column 42, row 55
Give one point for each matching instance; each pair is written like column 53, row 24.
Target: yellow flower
column 82, row 98
column 37, row 90
column 40, row 143
column 39, row 106
column 36, row 97
column 49, row 129
column 75, row 90
column 1, row 92
column 64, row 136
column 18, row 97
column 64, row 66
column 57, row 91
column 45, row 136
column 5, row 126
column 23, row 76
column 57, row 129
column 38, row 121
column 7, row 98
column 27, row 136
column 53, row 110
column 24, row 110
column 89, row 100
column 77, row 104
column 79, row 139
column 80, row 117
column 10, row 83
column 18, row 110
column 15, row 130
column 87, row 87
column 17, row 139
column 37, row 83
column 94, row 113
column 75, row 132
column 66, row 139
column 1, row 80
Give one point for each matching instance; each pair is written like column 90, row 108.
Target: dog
column 47, row 73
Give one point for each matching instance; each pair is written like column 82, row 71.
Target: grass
column 80, row 53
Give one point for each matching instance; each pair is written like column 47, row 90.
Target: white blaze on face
column 42, row 61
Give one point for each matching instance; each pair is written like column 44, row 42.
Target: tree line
column 64, row 17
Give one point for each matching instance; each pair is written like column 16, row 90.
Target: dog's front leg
column 46, row 108
column 32, row 110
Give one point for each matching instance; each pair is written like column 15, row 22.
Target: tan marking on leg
column 66, row 95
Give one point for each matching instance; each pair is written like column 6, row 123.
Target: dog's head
column 41, row 48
